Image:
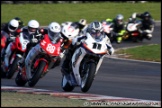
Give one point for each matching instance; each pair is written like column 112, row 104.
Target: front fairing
column 21, row 42
column 52, row 49
column 91, row 45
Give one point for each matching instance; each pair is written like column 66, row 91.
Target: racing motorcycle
column 40, row 62
column 19, row 46
column 84, row 65
column 132, row 31
column 69, row 31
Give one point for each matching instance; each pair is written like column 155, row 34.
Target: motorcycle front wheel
column 88, row 77
column 12, row 68
column 37, row 74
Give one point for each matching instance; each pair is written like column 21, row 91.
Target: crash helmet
column 96, row 30
column 54, row 30
column 33, row 26
column 13, row 25
column 146, row 15
column 83, row 22
column 119, row 19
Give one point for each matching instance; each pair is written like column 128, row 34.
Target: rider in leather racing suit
column 54, row 34
column 10, row 30
column 118, row 28
column 32, row 34
column 96, row 30
column 148, row 24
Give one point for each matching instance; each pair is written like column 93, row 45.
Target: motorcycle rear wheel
column 37, row 74
column 88, row 77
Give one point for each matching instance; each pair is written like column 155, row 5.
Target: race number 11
column 96, row 46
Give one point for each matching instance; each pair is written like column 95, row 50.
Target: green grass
column 13, row 99
column 46, row 13
column 146, row 52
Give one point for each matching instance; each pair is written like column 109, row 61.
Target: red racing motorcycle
column 18, row 47
column 40, row 62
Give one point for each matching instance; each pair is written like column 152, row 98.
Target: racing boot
column 119, row 39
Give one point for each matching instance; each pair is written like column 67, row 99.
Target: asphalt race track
column 116, row 77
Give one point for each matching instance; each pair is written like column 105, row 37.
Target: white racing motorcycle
column 132, row 31
column 68, row 31
column 84, row 64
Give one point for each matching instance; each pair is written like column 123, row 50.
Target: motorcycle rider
column 10, row 31
column 119, row 27
column 83, row 24
column 54, row 34
column 6, row 28
column 31, row 32
column 21, row 23
column 148, row 24
column 96, row 30
column 35, row 34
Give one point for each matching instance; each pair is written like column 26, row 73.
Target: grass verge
column 145, row 52
column 13, row 99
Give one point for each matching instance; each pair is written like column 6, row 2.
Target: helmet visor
column 96, row 34
column 12, row 28
column 52, row 35
column 120, row 22
column 33, row 30
column 146, row 18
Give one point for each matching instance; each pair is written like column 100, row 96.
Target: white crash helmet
column 54, row 30
column 33, row 25
column 13, row 25
column 83, row 22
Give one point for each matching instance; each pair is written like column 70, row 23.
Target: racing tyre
column 88, row 77
column 12, row 68
column 37, row 74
